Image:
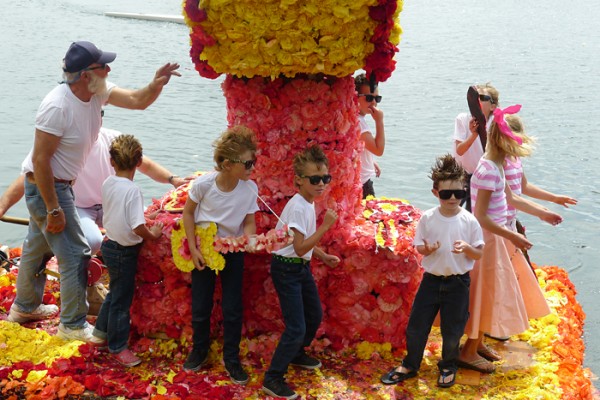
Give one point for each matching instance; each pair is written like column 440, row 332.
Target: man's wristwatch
column 55, row 212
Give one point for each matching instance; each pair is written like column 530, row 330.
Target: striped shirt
column 488, row 176
column 513, row 171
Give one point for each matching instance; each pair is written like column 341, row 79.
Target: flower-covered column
column 289, row 67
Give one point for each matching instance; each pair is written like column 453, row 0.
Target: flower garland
column 205, row 236
column 273, row 38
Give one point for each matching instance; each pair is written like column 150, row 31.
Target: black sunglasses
column 315, row 179
column 248, row 164
column 485, row 97
column 371, row 97
column 101, row 66
column 458, row 194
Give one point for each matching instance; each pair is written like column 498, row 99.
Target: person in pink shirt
column 497, row 305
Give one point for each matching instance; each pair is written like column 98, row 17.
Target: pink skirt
column 496, row 304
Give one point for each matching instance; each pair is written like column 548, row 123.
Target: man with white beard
column 67, row 124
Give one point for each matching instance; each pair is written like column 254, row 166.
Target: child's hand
column 473, row 126
column 376, row 113
column 459, row 246
column 156, row 230
column 565, row 201
column 520, row 241
column 330, row 260
column 152, row 216
column 377, row 170
column 329, row 218
column 430, row 247
column 197, row 259
column 551, row 217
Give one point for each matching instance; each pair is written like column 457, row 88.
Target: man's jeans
column 71, row 250
column 301, row 309
column 113, row 321
column 203, row 289
column 450, row 296
column 91, row 219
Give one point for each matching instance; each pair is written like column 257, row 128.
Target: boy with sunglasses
column 291, row 274
column 374, row 145
column 468, row 148
column 450, row 240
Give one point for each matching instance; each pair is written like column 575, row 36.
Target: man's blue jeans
column 450, row 296
column 70, row 249
column 113, row 321
column 203, row 290
column 301, row 309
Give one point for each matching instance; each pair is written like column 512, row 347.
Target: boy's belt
column 291, row 260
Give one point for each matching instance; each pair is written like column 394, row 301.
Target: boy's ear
column 435, row 192
column 139, row 163
column 112, row 162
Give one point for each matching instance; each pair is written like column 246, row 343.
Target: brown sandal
column 489, row 354
column 481, row 365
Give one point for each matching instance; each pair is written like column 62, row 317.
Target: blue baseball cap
column 82, row 54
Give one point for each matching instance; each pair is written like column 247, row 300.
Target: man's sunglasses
column 247, row 164
column 315, row 179
column 485, row 97
column 101, row 66
column 458, row 194
column 371, row 97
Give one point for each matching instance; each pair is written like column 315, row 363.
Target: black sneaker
column 306, row 361
column 278, row 388
column 236, row 373
column 195, row 360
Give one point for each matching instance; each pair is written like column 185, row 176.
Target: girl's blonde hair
column 126, row 152
column 232, row 144
column 313, row 154
column 507, row 145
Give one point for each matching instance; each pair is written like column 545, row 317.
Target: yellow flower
column 206, row 234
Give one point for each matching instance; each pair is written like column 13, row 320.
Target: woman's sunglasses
column 371, row 97
column 248, row 164
column 458, row 194
column 315, row 179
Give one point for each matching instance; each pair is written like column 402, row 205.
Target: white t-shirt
column 227, row 209
column 471, row 157
column 123, row 206
column 76, row 122
column 88, row 186
column 367, row 163
column 434, row 227
column 299, row 214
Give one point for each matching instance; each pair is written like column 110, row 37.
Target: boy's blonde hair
column 313, row 154
column 507, row 145
column 232, row 144
column 446, row 168
column 126, row 152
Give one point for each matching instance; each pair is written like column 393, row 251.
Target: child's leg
column 287, row 279
column 454, row 312
column 231, row 282
column 313, row 311
column 122, row 265
column 203, row 288
column 424, row 309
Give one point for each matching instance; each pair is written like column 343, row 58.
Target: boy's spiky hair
column 446, row 168
column 313, row 154
column 126, row 152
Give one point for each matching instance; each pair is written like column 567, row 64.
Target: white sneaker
column 42, row 312
column 84, row 334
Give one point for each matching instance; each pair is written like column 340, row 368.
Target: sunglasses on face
column 101, row 66
column 485, row 97
column 446, row 194
column 371, row 97
column 248, row 164
column 315, row 179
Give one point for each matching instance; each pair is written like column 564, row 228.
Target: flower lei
column 332, row 37
column 205, row 234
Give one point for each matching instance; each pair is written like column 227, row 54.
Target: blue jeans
column 302, row 313
column 113, row 321
column 203, row 289
column 450, row 296
column 71, row 250
column 91, row 219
